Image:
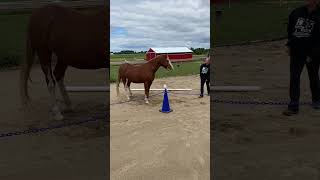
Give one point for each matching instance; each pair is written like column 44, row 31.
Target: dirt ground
column 257, row 141
column 147, row 144
column 77, row 152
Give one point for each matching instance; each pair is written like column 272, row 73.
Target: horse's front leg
column 65, row 96
column 146, row 91
column 130, row 92
column 51, row 87
column 59, row 73
column 126, row 88
column 45, row 61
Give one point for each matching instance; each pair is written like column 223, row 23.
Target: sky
column 140, row 24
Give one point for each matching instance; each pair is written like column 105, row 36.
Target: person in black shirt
column 303, row 45
column 205, row 76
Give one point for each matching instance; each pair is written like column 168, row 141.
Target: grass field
column 251, row 20
column 180, row 69
column 128, row 57
column 12, row 39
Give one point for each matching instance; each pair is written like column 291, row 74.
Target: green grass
column 248, row 21
column 128, row 57
column 25, row 0
column 12, row 39
column 180, row 69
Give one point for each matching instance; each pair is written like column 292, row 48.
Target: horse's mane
column 148, row 62
column 156, row 58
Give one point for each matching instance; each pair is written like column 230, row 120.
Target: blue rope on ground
column 59, row 126
column 255, row 102
column 247, row 102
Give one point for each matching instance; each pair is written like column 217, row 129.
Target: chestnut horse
column 76, row 39
column 143, row 73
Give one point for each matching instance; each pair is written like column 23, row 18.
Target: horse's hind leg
column 45, row 61
column 59, row 73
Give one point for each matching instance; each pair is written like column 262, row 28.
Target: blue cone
column 165, row 104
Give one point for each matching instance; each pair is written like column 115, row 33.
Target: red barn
column 174, row 53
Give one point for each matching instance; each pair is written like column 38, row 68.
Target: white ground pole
column 88, row 89
column 235, row 88
column 163, row 89
column 214, row 88
column 107, row 89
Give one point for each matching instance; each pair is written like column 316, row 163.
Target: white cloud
column 160, row 23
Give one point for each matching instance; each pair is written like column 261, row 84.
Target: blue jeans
column 297, row 62
column 207, row 81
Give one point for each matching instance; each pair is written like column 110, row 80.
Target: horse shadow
column 138, row 99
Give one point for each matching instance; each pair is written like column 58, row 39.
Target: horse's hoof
column 68, row 110
column 58, row 117
column 147, row 102
column 26, row 107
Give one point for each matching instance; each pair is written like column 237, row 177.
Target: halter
column 169, row 61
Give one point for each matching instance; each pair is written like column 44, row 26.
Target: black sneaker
column 201, row 96
column 316, row 105
column 290, row 112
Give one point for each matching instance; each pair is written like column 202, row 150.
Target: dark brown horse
column 76, row 39
column 144, row 73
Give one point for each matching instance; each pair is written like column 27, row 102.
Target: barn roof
column 171, row 50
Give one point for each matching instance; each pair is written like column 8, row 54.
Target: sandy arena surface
column 147, row 144
column 258, row 142
column 77, row 152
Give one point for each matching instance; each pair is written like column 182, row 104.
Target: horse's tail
column 118, row 81
column 25, row 71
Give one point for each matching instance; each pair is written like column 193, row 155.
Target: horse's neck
column 155, row 65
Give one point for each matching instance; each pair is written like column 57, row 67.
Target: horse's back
column 135, row 73
column 77, row 39
column 123, row 68
column 46, row 21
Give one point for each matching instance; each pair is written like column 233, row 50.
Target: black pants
column 297, row 63
column 206, row 80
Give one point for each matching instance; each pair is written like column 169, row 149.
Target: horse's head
column 207, row 60
column 165, row 62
